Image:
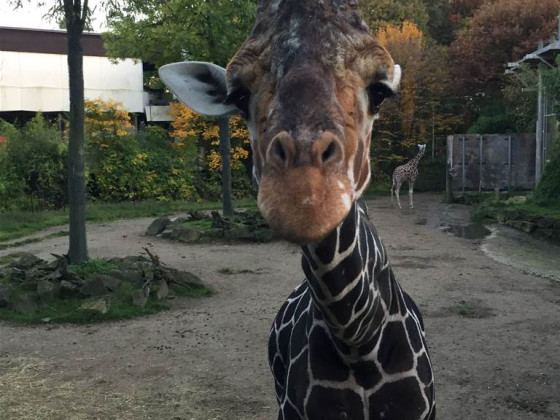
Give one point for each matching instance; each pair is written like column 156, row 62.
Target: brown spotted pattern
column 406, row 173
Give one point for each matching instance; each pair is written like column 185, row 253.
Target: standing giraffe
column 407, row 172
column 349, row 342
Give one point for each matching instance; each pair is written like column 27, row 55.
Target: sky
column 31, row 16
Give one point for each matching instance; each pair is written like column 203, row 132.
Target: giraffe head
column 308, row 81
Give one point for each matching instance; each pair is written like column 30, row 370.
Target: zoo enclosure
column 493, row 161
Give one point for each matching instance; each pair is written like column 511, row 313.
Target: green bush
column 139, row 166
column 33, row 161
column 547, row 192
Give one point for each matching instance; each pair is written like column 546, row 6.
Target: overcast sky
column 30, row 16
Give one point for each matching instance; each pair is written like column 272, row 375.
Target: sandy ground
column 493, row 330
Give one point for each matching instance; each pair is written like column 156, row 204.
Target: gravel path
column 493, row 331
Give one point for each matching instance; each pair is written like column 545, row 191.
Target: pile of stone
column 31, row 282
column 244, row 226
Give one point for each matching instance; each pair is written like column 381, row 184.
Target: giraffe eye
column 241, row 98
column 377, row 93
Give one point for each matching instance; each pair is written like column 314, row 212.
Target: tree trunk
column 77, row 251
column 225, row 145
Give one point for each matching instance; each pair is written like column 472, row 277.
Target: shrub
column 547, row 192
column 33, row 163
column 134, row 166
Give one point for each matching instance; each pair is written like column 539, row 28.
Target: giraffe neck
column 350, row 282
column 414, row 161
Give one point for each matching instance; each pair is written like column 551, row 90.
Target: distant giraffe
column 349, row 342
column 407, row 172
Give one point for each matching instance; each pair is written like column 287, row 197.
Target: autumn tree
column 377, row 13
column 189, row 126
column 446, row 18
column 416, row 114
column 177, row 30
column 499, row 32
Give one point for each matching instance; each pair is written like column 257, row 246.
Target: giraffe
column 348, row 343
column 407, row 172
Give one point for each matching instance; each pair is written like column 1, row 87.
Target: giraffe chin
column 303, row 205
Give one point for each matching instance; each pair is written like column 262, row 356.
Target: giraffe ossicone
column 349, row 342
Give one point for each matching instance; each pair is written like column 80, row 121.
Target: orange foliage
column 192, row 127
column 105, row 118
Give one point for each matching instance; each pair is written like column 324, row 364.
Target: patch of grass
column 68, row 310
column 230, row 271
column 193, row 292
column 376, row 191
column 16, row 224
column 33, row 240
column 202, row 224
column 10, row 258
column 544, row 211
column 465, row 310
column 89, row 267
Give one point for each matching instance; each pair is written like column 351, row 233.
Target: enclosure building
column 34, row 74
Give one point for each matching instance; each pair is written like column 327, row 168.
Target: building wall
column 507, row 161
column 39, row 82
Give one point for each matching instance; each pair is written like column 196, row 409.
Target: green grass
column 10, row 258
column 68, row 310
column 488, row 209
column 376, row 191
column 32, row 240
column 89, row 267
column 16, row 224
column 545, row 211
column 202, row 224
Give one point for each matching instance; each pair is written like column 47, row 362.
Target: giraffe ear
column 200, row 86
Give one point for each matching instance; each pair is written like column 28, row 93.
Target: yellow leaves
column 391, row 34
column 104, row 118
column 190, row 127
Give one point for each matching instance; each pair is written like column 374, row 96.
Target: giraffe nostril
column 279, row 152
column 329, row 152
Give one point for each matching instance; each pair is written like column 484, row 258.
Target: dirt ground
column 493, row 331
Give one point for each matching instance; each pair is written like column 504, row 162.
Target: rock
column 185, row 278
column 24, row 303
column 69, row 289
column 131, row 276
column 501, row 217
column 139, row 298
column 111, row 283
column 5, row 296
column 27, row 261
column 187, row 235
column 524, row 226
column 100, row 305
column 131, row 262
column 168, row 234
column 158, row 226
column 544, row 233
column 180, row 220
column 517, row 199
column 546, row 222
column 47, row 291
column 94, row 286
column 161, row 288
